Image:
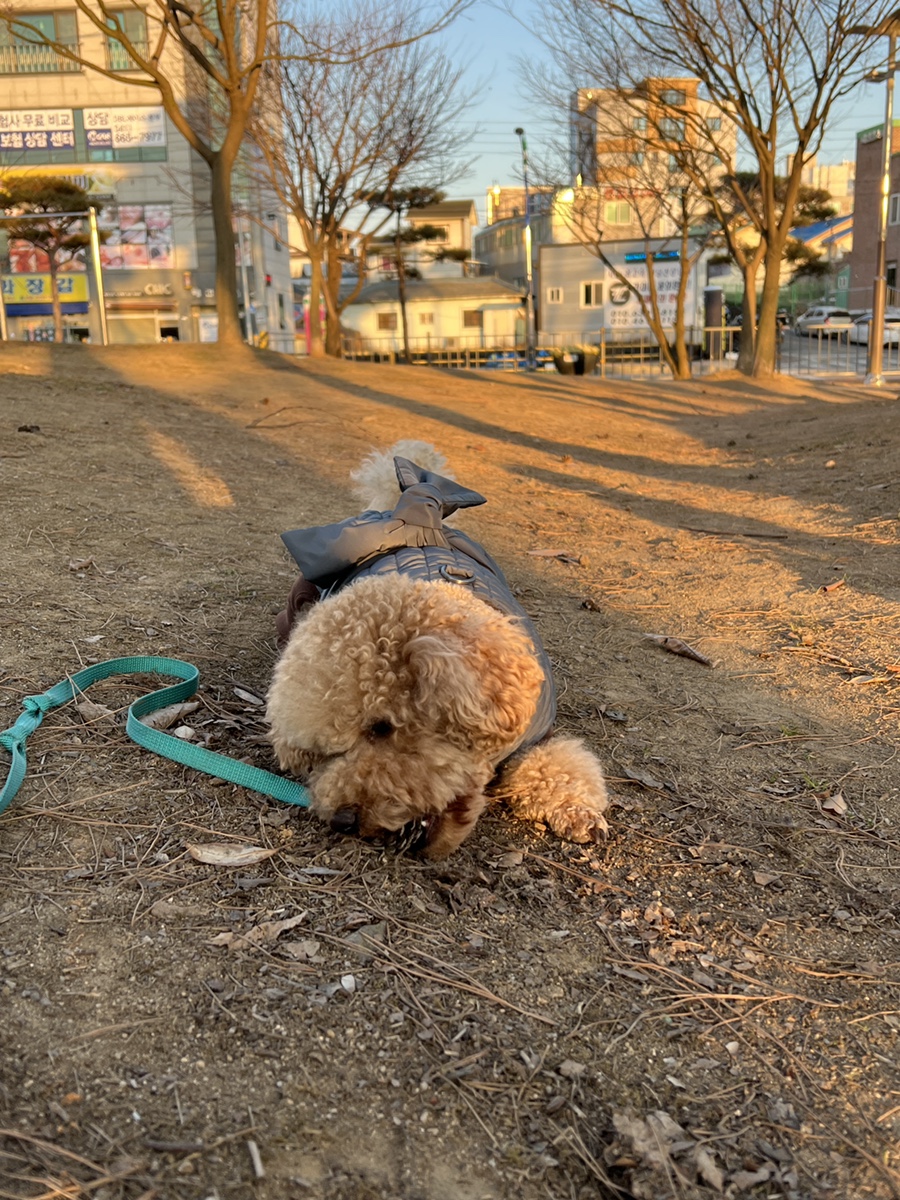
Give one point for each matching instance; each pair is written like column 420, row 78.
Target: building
column 151, row 189
column 439, row 256
column 581, row 295
column 442, row 313
column 866, row 218
column 633, row 144
column 837, row 179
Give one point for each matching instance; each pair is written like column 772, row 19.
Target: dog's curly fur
column 398, row 699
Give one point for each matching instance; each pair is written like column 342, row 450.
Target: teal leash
column 34, row 707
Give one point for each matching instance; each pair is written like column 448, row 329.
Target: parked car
column 823, row 319
column 859, row 330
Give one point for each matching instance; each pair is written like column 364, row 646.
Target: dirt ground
column 707, row 1005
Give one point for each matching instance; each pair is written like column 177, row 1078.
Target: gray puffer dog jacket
column 412, row 540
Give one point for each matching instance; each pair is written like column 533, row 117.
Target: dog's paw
column 559, row 782
column 291, row 758
column 578, row 823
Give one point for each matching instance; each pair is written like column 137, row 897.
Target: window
column 639, row 124
column 894, row 209
column 714, row 124
column 473, row 318
column 617, row 212
column 671, row 129
column 426, row 318
column 133, row 24
column 554, row 295
column 672, row 96
column 22, row 52
column 592, row 294
column 387, row 320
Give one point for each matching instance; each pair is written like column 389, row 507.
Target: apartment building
column 152, row 191
column 632, row 143
column 837, row 179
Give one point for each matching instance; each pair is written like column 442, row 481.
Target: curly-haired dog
column 412, row 687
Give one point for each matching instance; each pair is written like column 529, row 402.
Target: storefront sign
column 124, row 128
column 31, row 295
column 37, row 129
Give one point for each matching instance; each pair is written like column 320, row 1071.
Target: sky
column 488, row 42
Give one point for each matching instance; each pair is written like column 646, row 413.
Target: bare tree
column 205, row 59
column 776, row 67
column 351, row 126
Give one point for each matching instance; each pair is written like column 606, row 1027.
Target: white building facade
column 152, row 192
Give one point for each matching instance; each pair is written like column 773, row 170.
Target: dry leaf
column 164, row 717
column 93, row 712
column 836, row 804
column 260, row 935
column 228, row 854
column 763, row 878
column 308, row 948
column 248, row 697
column 81, row 564
column 677, row 646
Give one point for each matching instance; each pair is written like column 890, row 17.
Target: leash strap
column 34, row 707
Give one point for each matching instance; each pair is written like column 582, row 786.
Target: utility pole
column 529, row 261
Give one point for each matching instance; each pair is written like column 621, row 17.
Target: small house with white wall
column 461, row 313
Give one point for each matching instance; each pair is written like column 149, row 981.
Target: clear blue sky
column 488, row 42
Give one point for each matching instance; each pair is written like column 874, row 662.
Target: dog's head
column 397, row 699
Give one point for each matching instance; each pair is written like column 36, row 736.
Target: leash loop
column 156, row 740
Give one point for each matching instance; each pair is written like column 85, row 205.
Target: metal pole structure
column 529, row 272
column 245, row 286
column 98, row 276
column 4, row 327
column 875, row 373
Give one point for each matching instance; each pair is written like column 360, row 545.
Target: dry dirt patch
column 708, row 1005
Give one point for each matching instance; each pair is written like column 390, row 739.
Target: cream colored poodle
column 412, row 688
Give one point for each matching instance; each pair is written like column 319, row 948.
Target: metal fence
column 635, row 353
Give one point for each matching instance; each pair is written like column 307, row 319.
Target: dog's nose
column 345, row 820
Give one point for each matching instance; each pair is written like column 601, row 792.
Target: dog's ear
column 481, row 679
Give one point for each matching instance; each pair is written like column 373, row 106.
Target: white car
column 823, row 320
column 859, row 330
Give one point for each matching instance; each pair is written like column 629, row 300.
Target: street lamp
column 889, row 27
column 529, row 273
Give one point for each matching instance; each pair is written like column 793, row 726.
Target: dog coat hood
column 413, row 540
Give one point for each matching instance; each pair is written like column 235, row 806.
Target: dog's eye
column 380, row 729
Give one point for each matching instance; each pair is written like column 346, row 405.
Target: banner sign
column 37, row 129
column 137, row 235
column 124, row 128
column 32, row 296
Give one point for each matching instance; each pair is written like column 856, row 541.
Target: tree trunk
column 401, row 293
column 316, row 341
column 747, row 347
column 766, row 349
column 54, row 297
column 230, row 333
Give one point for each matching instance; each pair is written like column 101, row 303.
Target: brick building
column 869, row 153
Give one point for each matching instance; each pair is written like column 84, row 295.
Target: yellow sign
column 35, row 289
